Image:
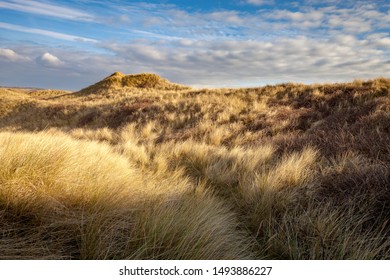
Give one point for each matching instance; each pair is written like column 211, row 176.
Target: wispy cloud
column 171, row 21
column 41, row 8
column 258, row 2
column 155, row 35
column 294, row 59
column 217, row 47
column 48, row 33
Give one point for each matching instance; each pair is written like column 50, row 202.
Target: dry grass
column 119, row 81
column 78, row 199
column 137, row 167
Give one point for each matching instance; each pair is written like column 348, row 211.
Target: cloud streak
column 46, row 9
column 258, row 2
column 52, row 34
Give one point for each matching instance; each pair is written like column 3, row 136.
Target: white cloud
column 355, row 25
column 231, row 17
column 11, row 55
column 311, row 15
column 49, row 60
column 48, row 33
column 258, row 2
column 41, row 8
column 159, row 21
column 383, row 42
column 234, row 62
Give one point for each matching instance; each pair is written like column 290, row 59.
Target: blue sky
column 231, row 43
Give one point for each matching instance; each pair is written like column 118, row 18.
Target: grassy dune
column 134, row 167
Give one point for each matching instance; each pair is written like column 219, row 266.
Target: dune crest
column 119, row 81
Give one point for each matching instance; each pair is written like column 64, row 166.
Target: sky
column 203, row 43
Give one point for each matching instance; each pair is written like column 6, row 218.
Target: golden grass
column 137, row 168
column 82, row 200
column 120, row 81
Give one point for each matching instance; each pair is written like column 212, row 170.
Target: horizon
column 237, row 43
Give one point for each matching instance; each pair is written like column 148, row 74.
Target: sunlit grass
column 145, row 169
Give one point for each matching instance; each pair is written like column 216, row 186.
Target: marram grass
column 135, row 167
